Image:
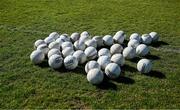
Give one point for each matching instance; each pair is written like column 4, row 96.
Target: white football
column 79, row 46
column 154, row 36
column 38, row 42
column 104, row 51
column 37, row 56
column 142, row 50
column 146, row 39
column 91, row 53
column 48, row 40
column 119, row 37
column 135, row 36
column 144, row 66
column 55, row 61
column 95, row 76
column 121, row 32
column 103, row 61
column 112, row 70
column 70, row 62
column 84, row 37
column 91, row 43
column 67, row 51
column 116, row 48
column 66, row 44
column 65, row 37
column 129, row 53
column 80, row 55
column 133, row 43
column 85, row 33
column 91, row 65
column 118, row 59
column 108, row 40
column 54, row 35
column 53, row 51
column 54, row 45
column 60, row 41
column 98, row 40
column 44, row 48
column 75, row 36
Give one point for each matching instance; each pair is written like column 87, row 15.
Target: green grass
column 24, row 85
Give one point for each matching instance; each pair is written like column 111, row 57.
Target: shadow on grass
column 152, row 57
column 149, row 56
column 44, row 64
column 135, row 60
column 78, row 70
column 159, row 43
column 107, row 85
column 156, row 74
column 128, row 68
column 124, row 80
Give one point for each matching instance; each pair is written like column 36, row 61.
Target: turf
column 24, row 85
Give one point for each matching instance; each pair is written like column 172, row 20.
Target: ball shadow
column 152, row 57
column 107, row 47
column 156, row 74
column 78, row 70
column 107, row 85
column 159, row 43
column 125, row 80
column 44, row 64
column 135, row 60
column 125, row 43
column 128, row 68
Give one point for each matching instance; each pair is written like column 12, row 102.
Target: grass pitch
column 24, row 85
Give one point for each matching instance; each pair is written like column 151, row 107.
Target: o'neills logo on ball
column 57, row 60
column 70, row 62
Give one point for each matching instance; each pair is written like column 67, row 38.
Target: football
column 135, row 36
column 142, row 50
column 129, row 53
column 144, row 66
column 108, row 40
column 133, row 43
column 118, row 59
column 44, row 48
column 37, row 56
column 116, row 48
column 104, row 51
column 55, row 61
column 91, row 53
column 91, row 65
column 95, row 76
column 75, row 36
column 112, row 70
column 119, row 37
column 103, row 61
column 80, row 55
column 99, row 41
column 54, row 45
column 146, row 39
column 154, row 36
column 91, row 43
column 67, row 51
column 53, row 51
column 70, row 62
column 38, row 42
column 79, row 46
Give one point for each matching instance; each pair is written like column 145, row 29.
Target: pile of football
column 100, row 55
